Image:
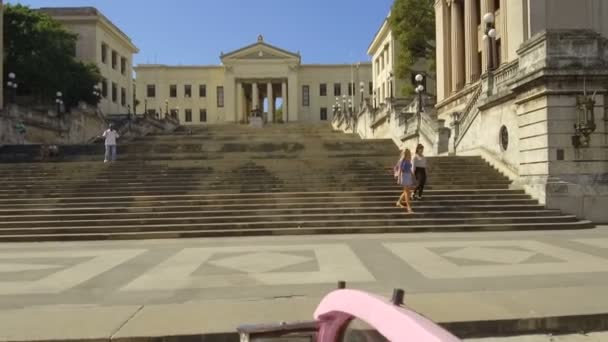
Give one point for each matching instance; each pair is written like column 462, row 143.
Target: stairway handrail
column 469, row 114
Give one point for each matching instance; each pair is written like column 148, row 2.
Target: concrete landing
column 476, row 285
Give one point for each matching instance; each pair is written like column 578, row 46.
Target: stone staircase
column 235, row 180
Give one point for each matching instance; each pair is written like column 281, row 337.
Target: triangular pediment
column 260, row 51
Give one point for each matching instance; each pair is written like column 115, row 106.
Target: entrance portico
column 260, row 72
column 253, row 93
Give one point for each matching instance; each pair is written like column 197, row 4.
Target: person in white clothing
column 419, row 163
column 111, row 135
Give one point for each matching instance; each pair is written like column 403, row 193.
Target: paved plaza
column 161, row 287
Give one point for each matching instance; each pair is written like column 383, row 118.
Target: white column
column 285, row 103
column 270, row 102
column 239, row 102
column 255, row 97
column 471, row 40
column 1, row 55
column 457, row 47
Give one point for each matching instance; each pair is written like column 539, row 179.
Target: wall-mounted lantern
column 585, row 121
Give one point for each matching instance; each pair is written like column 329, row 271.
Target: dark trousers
column 420, row 174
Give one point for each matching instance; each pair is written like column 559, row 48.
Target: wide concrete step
column 169, row 180
column 243, row 189
column 361, row 206
column 278, row 224
column 93, row 219
column 270, row 195
column 193, row 184
column 438, row 201
column 372, row 171
column 371, row 229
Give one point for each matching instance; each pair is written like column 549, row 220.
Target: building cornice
column 89, row 15
column 379, row 36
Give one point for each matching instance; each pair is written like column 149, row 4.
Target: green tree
column 413, row 25
column 41, row 52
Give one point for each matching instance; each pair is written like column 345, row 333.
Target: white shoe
column 105, row 161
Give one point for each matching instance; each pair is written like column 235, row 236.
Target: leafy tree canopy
column 413, row 25
column 41, row 52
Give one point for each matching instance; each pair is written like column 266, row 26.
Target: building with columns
column 524, row 84
column 103, row 43
column 2, row 55
column 256, row 76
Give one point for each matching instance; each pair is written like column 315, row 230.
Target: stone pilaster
column 270, row 97
column 471, row 41
column 457, row 43
column 285, row 102
column 239, row 102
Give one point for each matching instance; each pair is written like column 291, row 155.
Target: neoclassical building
column 260, row 76
column 103, row 43
column 524, row 83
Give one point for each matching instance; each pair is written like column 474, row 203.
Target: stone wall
column 535, row 98
column 45, row 127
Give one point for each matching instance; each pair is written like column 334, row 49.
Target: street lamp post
column 489, row 36
column 96, row 94
column 166, row 108
column 145, row 107
column 362, row 91
column 12, row 85
column 59, row 102
column 419, row 90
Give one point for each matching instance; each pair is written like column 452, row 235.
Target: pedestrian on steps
column 406, row 179
column 111, row 135
column 419, row 163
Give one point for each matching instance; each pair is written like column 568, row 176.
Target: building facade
column 383, row 51
column 523, row 83
column 103, row 43
column 259, row 76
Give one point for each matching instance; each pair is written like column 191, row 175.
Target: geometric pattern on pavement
column 255, row 266
column 509, row 258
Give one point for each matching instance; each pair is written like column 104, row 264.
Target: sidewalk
column 466, row 314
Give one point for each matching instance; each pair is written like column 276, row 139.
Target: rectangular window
column 114, row 59
column 388, row 54
column 202, row 115
column 305, row 96
column 175, row 113
column 188, row 90
column 114, row 92
column 173, row 90
column 323, row 89
column 123, row 97
column 151, row 90
column 202, row 90
column 104, row 53
column 123, row 65
column 337, row 89
column 323, row 114
column 104, row 88
column 351, row 88
column 188, row 113
column 220, row 97
column 371, row 87
column 151, row 112
column 496, row 5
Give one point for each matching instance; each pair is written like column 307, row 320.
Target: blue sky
column 196, row 31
